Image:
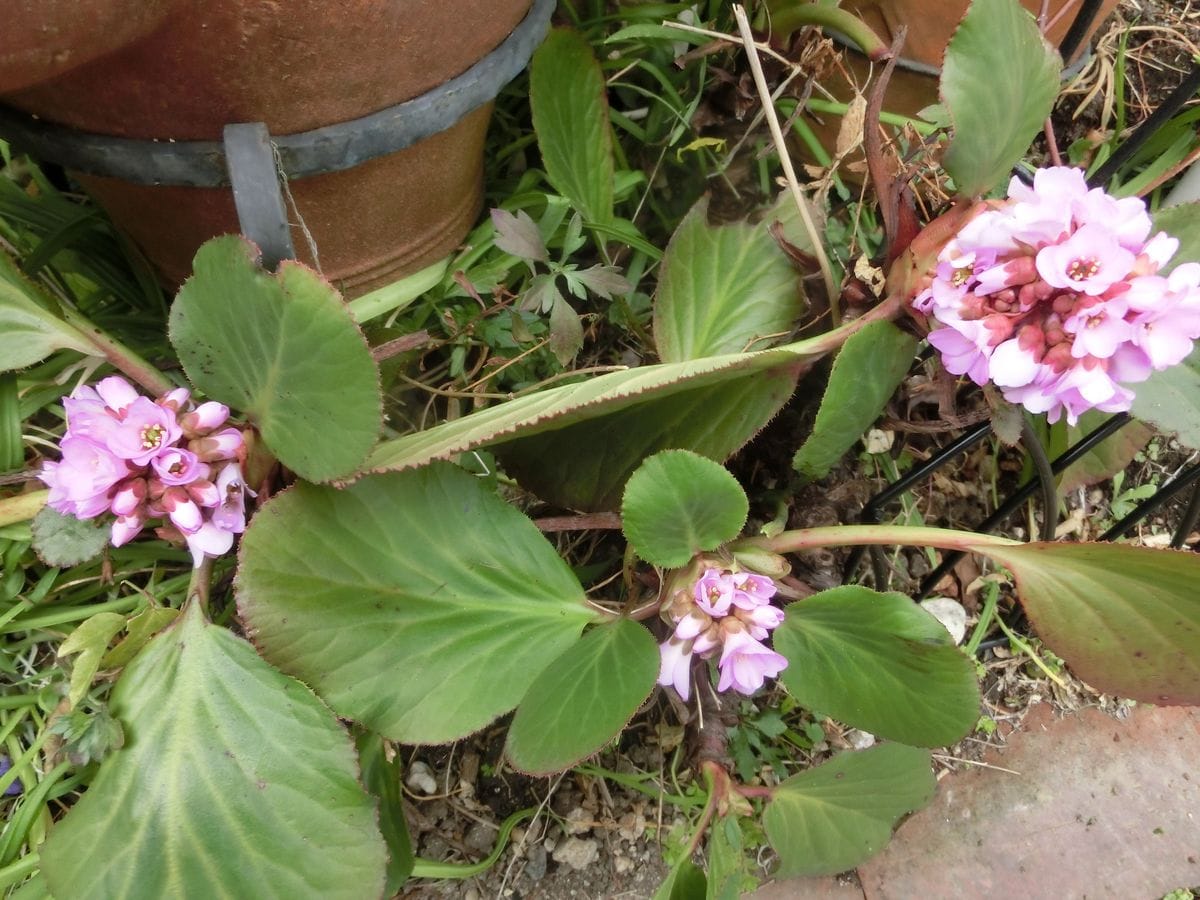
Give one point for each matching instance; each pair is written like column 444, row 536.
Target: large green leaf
column 284, row 349
column 678, row 504
column 234, row 781
column 583, row 699
column 578, row 444
column 878, row 662
column 1126, row 619
column 569, row 101
column 721, row 289
column 1170, row 400
column 836, row 815
column 865, row 374
column 999, row 81
column 417, row 603
column 1183, row 222
column 28, row 333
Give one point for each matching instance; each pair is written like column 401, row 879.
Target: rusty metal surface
column 41, row 39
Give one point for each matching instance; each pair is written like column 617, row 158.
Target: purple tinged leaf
column 605, row 281
column 541, row 295
column 519, row 235
column 566, row 331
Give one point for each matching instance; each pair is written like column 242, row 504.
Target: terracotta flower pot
column 297, row 67
column 930, row 24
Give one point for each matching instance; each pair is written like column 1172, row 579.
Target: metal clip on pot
column 262, row 215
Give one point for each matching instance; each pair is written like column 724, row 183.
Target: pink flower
column 204, row 418
column 714, row 592
column 675, row 668
column 1054, row 296
column 176, row 466
column 1089, row 261
column 80, row 483
column 145, row 431
column 125, row 529
column 231, row 513
column 208, row 541
column 745, row 664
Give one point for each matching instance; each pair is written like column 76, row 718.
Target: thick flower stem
column 865, row 535
column 120, row 356
column 787, row 19
column 200, row 583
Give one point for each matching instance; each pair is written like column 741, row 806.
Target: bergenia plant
column 247, row 711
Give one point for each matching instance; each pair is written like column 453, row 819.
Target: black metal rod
column 1146, row 130
column 872, row 509
column 1150, row 504
column 1083, row 21
column 1191, row 516
column 1079, row 449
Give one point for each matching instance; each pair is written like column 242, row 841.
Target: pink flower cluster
column 1054, row 296
column 726, row 611
column 142, row 459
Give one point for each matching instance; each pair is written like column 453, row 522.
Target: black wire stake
column 1079, row 27
column 1191, row 516
column 872, row 512
column 1073, row 453
column 1176, row 485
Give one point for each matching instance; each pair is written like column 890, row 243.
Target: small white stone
column 879, row 441
column 950, row 613
column 577, row 853
column 859, row 739
column 420, row 778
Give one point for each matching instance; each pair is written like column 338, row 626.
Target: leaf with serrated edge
column 722, row 288
column 417, row 603
column 607, row 673
column 569, row 102
column 678, row 504
column 865, row 374
column 711, row 406
column 285, row 350
column 878, row 662
column 1125, row 619
column 63, row 540
column 836, row 815
column 999, row 81
column 235, row 781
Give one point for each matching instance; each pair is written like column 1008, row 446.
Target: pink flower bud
column 205, row 493
column 175, row 399
column 129, row 496
column 183, row 512
column 215, row 447
column 116, row 392
column 204, row 418
column 125, row 529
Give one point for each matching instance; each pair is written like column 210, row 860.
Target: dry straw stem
column 789, row 173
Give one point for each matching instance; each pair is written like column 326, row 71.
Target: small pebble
column 577, row 853
column 420, row 778
column 859, row 739
column 577, row 821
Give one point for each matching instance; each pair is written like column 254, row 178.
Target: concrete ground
column 1090, row 807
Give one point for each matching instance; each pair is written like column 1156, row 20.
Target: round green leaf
column 418, row 603
column 62, row 540
column 606, row 674
column 838, row 814
column 678, row 504
column 1126, row 619
column 285, row 350
column 234, row 781
column 999, row 80
column 878, row 662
